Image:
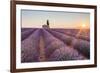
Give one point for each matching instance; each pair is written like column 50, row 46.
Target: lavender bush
column 82, row 46
column 30, row 48
column 26, row 33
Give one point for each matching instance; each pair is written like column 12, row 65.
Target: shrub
column 82, row 46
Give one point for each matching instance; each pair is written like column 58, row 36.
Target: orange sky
column 35, row 19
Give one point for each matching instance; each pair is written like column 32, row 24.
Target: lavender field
column 43, row 45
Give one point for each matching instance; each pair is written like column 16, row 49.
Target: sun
column 83, row 25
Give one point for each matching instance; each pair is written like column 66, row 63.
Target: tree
column 48, row 22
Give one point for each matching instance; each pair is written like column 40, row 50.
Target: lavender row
column 74, row 32
column 81, row 45
column 30, row 47
column 26, row 29
column 65, row 38
column 25, row 34
column 56, row 49
column 51, row 43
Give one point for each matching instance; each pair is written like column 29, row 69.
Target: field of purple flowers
column 41, row 44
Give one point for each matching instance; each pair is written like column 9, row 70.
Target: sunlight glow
column 83, row 26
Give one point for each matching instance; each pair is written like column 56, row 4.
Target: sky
column 57, row 19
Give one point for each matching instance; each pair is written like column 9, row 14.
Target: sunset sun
column 83, row 26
